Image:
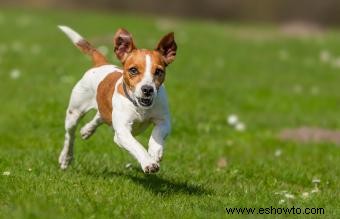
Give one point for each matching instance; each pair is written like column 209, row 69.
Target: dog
column 129, row 99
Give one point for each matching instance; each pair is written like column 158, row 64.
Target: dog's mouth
column 145, row 101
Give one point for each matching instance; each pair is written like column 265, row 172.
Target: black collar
column 128, row 96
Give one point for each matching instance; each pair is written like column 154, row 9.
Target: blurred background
column 253, row 93
column 321, row 12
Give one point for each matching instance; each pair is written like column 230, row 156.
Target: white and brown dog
column 128, row 99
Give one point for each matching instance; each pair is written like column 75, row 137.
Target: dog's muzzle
column 148, row 95
column 145, row 101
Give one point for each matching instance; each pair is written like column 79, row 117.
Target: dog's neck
column 126, row 92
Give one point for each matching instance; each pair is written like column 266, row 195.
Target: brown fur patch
column 137, row 59
column 157, row 63
column 105, row 91
column 98, row 59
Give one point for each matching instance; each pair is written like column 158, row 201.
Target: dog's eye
column 133, row 71
column 159, row 72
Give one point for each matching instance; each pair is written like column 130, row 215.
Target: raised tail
column 97, row 57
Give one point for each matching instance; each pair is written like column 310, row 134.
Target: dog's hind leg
column 82, row 100
column 89, row 128
column 71, row 121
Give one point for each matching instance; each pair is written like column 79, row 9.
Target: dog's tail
column 97, row 57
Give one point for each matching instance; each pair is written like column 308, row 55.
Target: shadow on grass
column 159, row 185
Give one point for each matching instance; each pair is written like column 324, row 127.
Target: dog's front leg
column 124, row 138
column 156, row 141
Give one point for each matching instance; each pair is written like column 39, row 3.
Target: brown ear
column 167, row 47
column 123, row 44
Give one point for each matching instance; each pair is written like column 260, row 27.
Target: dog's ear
column 167, row 47
column 123, row 44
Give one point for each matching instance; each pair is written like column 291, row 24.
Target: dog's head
column 144, row 70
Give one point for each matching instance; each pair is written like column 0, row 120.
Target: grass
column 270, row 80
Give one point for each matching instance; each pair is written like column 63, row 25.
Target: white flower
column 282, row 201
column 234, row 172
column 325, row 56
column 278, row 153
column 6, row 173
column 232, row 119
column 240, row 127
column 128, row 165
column 289, row 196
column 15, row 74
column 316, row 181
column 29, row 169
column 305, row 195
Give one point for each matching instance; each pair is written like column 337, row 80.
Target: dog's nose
column 147, row 90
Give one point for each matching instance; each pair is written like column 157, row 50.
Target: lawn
column 269, row 79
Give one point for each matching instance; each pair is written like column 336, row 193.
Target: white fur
column 73, row 35
column 83, row 99
column 148, row 66
column 127, row 119
column 146, row 80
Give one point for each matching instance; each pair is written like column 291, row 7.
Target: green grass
column 270, row 80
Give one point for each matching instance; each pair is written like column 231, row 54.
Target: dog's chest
column 142, row 120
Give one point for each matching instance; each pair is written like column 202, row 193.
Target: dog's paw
column 64, row 160
column 86, row 132
column 156, row 154
column 151, row 168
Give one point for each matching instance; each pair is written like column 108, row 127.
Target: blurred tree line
column 325, row 12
